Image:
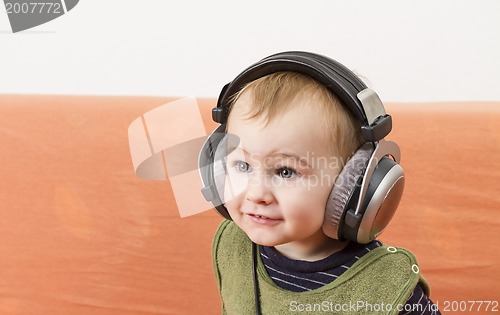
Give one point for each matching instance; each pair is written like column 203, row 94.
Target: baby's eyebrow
column 284, row 155
column 302, row 161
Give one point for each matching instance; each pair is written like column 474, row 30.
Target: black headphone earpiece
column 367, row 192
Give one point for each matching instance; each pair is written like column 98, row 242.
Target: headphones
column 367, row 191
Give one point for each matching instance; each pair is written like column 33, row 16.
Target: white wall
column 409, row 50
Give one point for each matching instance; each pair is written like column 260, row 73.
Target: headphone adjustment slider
column 209, row 193
column 217, row 114
column 378, row 130
column 352, row 219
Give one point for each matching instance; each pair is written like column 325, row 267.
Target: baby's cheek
column 231, row 206
column 310, row 203
column 234, row 186
column 305, row 206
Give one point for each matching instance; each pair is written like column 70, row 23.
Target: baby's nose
column 258, row 191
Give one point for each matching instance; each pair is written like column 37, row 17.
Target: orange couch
column 81, row 234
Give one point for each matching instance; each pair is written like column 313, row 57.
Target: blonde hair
column 274, row 93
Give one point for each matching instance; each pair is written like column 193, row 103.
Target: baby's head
column 311, row 160
column 270, row 97
column 295, row 137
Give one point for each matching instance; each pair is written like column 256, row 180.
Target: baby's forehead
column 296, row 126
column 309, row 108
column 277, row 143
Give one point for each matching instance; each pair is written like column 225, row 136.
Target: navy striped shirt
column 300, row 276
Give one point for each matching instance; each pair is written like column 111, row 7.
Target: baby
column 306, row 189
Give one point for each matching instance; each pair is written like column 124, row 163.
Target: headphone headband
column 362, row 102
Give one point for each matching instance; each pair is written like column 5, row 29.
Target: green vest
column 376, row 284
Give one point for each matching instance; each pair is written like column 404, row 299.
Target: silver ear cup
column 212, row 168
column 343, row 190
column 382, row 199
column 219, row 170
column 220, row 158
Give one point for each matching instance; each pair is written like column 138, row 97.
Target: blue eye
column 287, row 173
column 242, row 167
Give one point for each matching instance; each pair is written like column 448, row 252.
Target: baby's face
column 280, row 175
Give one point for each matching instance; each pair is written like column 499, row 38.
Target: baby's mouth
column 257, row 218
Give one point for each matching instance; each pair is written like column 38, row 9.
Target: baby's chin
column 264, row 242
